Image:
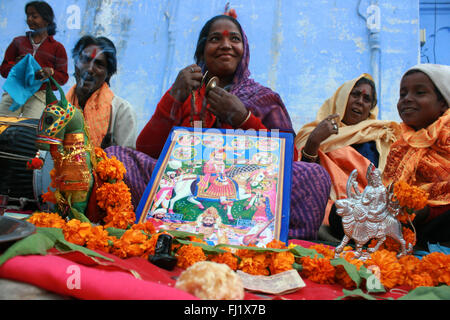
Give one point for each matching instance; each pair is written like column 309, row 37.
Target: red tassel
column 230, row 12
column 36, row 163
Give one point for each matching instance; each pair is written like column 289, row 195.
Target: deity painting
column 231, row 193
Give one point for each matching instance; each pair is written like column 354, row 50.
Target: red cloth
column 105, row 280
column 51, row 53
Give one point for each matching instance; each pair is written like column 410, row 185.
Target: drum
column 18, row 184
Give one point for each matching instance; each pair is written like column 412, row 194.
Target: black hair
column 440, row 97
column 372, row 85
column 107, row 46
column 46, row 12
column 203, row 36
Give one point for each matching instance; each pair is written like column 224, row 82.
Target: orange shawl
column 422, row 159
column 97, row 112
column 335, row 153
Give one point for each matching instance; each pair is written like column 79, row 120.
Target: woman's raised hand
column 227, row 107
column 188, row 79
column 324, row 129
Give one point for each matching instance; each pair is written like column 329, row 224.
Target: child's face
column 418, row 105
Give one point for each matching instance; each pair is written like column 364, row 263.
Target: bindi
column 94, row 53
column 226, row 33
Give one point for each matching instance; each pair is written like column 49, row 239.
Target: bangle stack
column 309, row 157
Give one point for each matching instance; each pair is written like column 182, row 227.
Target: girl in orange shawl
column 421, row 156
column 346, row 135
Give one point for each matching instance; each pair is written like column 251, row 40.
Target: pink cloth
column 54, row 273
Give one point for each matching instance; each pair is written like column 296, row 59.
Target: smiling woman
column 346, row 135
column 235, row 102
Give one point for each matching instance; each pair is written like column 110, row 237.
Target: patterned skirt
column 310, row 189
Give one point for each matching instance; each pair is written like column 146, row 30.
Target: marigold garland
column 113, row 196
column 139, row 240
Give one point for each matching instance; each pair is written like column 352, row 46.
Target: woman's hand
column 188, row 79
column 44, row 73
column 227, row 107
column 324, row 129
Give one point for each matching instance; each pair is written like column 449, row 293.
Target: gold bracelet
column 248, row 117
column 309, row 157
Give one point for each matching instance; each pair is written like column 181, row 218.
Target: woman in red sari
column 237, row 102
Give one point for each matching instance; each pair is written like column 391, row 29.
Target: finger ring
column 192, row 70
column 335, row 127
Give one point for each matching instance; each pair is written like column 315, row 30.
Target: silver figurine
column 370, row 214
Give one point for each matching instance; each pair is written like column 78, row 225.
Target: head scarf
column 261, row 101
column 382, row 132
column 422, row 158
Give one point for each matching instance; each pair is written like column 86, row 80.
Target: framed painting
column 232, row 186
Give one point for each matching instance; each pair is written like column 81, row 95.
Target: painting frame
column 232, row 186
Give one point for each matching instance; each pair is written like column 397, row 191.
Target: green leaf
column 66, row 246
column 297, row 266
column 182, row 234
column 373, row 284
column 252, row 248
column 428, row 293
column 351, row 269
column 115, row 232
column 53, row 233
column 37, row 243
column 78, row 215
column 355, row 293
column 206, row 247
column 300, row 252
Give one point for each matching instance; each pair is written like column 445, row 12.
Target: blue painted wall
column 435, row 22
column 303, row 50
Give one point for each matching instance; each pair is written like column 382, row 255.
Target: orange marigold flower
column 410, row 265
column 196, row 239
column 281, row 261
column 147, row 227
column 114, row 195
column 100, row 153
column 318, row 270
column 225, row 258
column 276, row 244
column 421, row 280
column 110, row 169
column 77, row 232
column 326, row 251
column 188, row 255
column 410, row 196
column 133, row 243
column 256, row 264
column 47, row 220
column 119, row 218
column 99, row 239
column 391, row 272
column 437, row 265
column 342, row 278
